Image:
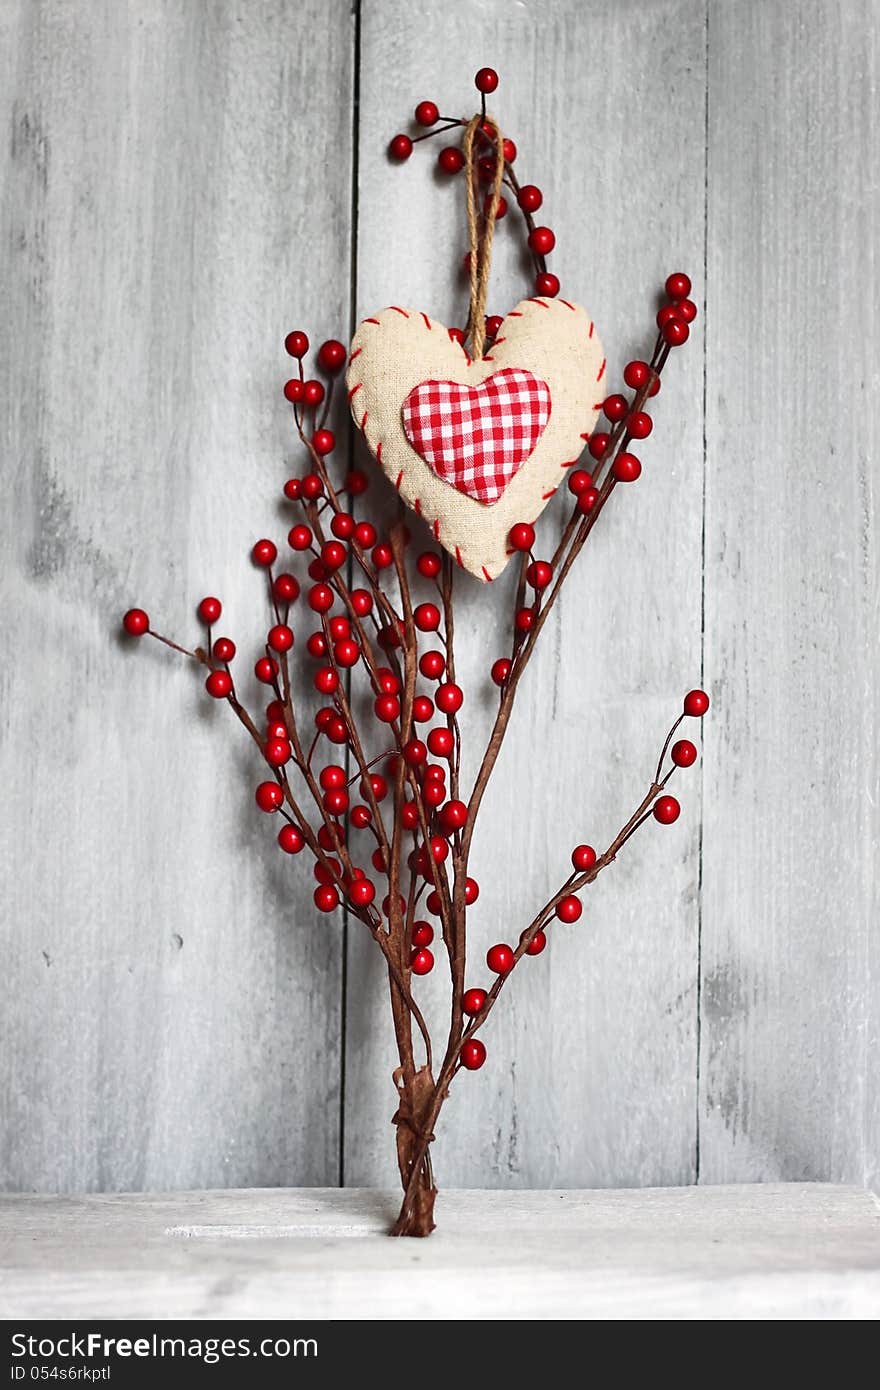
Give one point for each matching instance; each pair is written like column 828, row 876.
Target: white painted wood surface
column 175, row 193
column 715, row 1253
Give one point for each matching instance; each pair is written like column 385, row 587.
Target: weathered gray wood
column 175, row 184
column 768, row 1252
column 788, row 1073
column 591, row 1076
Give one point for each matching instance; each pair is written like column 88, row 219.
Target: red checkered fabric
column 478, row 437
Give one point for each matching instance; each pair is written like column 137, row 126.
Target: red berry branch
column 388, row 828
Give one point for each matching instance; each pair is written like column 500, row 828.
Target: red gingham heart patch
column 478, row 437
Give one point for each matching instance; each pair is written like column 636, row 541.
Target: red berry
column 224, row 649
column 435, row 773
column 421, row 962
column 299, row 537
column 264, row 553
column 321, row 598
column 275, row 712
column 333, row 555
column 547, row 284
column 678, row 286
column 676, row 332
column 530, row 197
column 339, row 627
column 524, row 620
column 569, row 908
column 666, row 810
column 473, row 1054
column 453, row 816
column 588, row 499
column 433, row 793
column 326, row 897
column 324, row 441
column 666, row 315
column 423, row 709
column 537, row 944
column 426, row 617
column 361, row 602
column 360, row 817
column 136, row 622
column 343, row 526
column 636, row 373
column 687, row 310
column 294, row 390
column 509, row 150
column 451, row 160
column 522, row 536
column 539, row 574
column 409, row 815
column 291, row 839
column 296, row 344
column 387, row 681
column 422, row 934
column 285, row 588
column 615, row 407
column 427, row 113
column 210, row 610
column 472, row 1001
column 387, row 708
column 428, row 564
column 312, row 487
column 332, row 777
column 684, row 753
column 501, row 670
column 277, row 729
column 332, row 355
column 277, row 752
column 317, row 645
column 269, row 796
column 382, row 556
column 432, row 665
column 500, row 959
column 542, row 241
column 401, row 147
column 639, row 425
column 219, row 684
column 626, row 468
column 361, row 893
column 583, row 857
column 579, row 481
column 280, row 638
column 266, row 670
column 486, row 80
column 598, row 444
column 346, row 652
column 415, row 752
column 500, row 211
column 336, row 730
column 326, row 680
column 356, row 482
column 449, row 698
column 696, row 702
column 441, row 743
column 313, row 393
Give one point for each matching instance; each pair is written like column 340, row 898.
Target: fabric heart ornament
column 476, row 446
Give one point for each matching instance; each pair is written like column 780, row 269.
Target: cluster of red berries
column 309, row 394
column 529, row 198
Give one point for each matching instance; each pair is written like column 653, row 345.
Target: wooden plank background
column 178, row 187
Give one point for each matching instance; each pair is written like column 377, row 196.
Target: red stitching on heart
column 353, row 392
column 427, row 320
column 379, row 452
column 543, row 303
column 399, row 311
column 375, row 321
column 590, row 334
column 601, row 370
column 417, row 506
column 486, row 573
column 399, row 480
column 364, row 420
column 566, row 303
column 458, row 557
column 545, row 495
column 357, row 352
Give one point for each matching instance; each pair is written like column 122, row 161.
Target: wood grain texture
column 592, row 1053
column 766, row 1252
column 172, row 1011
column 175, row 193
column 788, row 1074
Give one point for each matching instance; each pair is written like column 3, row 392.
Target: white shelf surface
column 771, row 1251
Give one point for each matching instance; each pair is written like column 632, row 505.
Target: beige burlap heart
column 475, row 446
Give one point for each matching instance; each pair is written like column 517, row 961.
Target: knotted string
column 481, row 249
